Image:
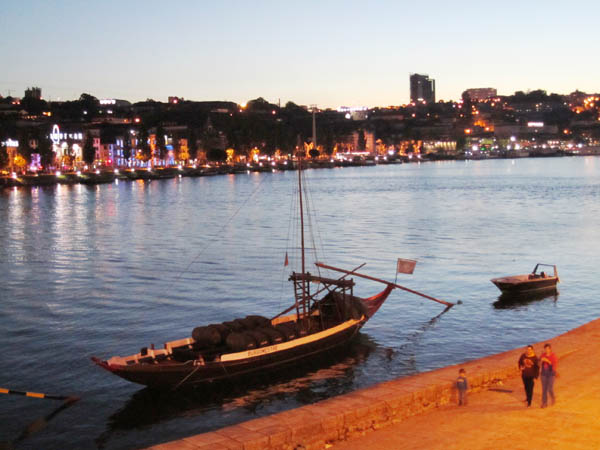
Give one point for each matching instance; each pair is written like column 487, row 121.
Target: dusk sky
column 328, row 53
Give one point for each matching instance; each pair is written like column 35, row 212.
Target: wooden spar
column 350, row 272
column 325, row 266
column 36, row 394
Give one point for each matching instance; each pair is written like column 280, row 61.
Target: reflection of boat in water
column 512, row 301
column 534, row 281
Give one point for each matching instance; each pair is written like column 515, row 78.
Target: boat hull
column 517, row 285
column 259, row 360
column 228, row 366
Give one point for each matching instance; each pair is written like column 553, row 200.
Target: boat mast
column 302, row 239
column 304, row 289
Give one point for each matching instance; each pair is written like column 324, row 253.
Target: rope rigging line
column 210, row 241
column 291, row 237
column 319, row 247
column 315, row 243
column 314, row 231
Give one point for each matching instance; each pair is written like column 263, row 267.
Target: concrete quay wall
column 337, row 419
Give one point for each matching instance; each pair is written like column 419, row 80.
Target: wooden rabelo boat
column 537, row 280
column 325, row 315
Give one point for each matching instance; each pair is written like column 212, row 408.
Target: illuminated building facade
column 67, row 145
column 422, row 88
column 479, row 94
column 354, row 112
column 114, row 102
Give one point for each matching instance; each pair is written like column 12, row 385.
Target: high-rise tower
column 422, row 88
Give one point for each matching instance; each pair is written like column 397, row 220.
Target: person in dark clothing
column 549, row 366
column 462, row 385
column 529, row 366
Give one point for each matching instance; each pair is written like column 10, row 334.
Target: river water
column 104, row 270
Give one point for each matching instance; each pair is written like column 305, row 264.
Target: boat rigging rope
column 161, row 299
column 291, row 237
column 211, row 241
column 314, row 231
column 186, row 377
column 315, row 246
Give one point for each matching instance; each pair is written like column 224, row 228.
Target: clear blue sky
column 328, row 53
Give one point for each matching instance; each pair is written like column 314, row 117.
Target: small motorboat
column 537, row 280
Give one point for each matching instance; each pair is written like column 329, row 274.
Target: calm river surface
column 104, row 270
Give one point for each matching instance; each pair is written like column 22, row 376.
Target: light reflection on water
column 103, row 270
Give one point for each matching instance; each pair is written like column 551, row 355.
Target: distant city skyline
column 329, row 53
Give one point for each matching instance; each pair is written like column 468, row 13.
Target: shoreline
column 352, row 420
column 94, row 177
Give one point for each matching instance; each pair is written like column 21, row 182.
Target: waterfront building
column 354, row 112
column 67, row 141
column 441, row 146
column 114, row 102
column 370, row 141
column 479, row 94
column 422, row 88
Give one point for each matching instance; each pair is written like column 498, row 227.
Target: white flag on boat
column 406, row 265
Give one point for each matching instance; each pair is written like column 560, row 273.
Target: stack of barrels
column 245, row 334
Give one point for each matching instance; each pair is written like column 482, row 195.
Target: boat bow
column 373, row 303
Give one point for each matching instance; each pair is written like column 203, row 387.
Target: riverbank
column 420, row 411
column 498, row 418
column 157, row 173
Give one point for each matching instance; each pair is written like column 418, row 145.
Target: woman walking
column 528, row 364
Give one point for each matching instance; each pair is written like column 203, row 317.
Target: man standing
column 549, row 366
column 528, row 364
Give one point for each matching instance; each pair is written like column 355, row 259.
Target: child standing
column 462, row 385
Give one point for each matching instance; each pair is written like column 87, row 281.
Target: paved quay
column 420, row 411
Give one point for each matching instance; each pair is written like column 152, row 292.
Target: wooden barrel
column 208, row 336
column 275, row 336
column 238, row 342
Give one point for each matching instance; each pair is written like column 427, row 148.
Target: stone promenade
column 420, row 411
